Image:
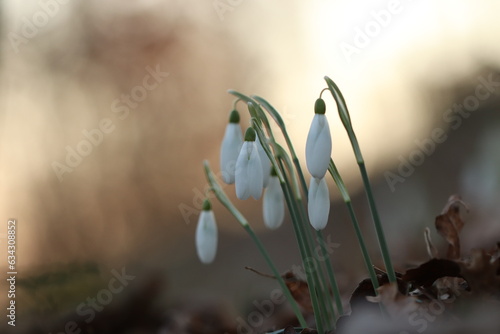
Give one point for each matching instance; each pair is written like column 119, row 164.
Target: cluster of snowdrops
column 257, row 164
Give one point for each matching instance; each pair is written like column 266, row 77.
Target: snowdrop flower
column 319, row 142
column 264, row 161
column 206, row 234
column 231, row 146
column 273, row 203
column 248, row 175
column 318, row 205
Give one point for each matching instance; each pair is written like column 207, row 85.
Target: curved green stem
column 235, row 102
column 346, row 120
column 304, row 253
column 221, row 196
column 305, row 228
column 332, row 169
column 331, row 275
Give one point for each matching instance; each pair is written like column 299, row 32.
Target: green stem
column 346, row 120
column 331, row 275
column 303, row 225
column 293, row 202
column 318, row 287
column 332, row 169
column 378, row 226
column 279, row 121
column 304, row 252
column 328, row 285
column 221, row 196
column 318, row 274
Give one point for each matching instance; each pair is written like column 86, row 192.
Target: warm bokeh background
column 401, row 65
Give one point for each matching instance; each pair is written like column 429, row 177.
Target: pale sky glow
column 424, row 41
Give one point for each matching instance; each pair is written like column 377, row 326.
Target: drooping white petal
column 206, row 237
column 318, row 146
column 318, row 205
column 273, row 204
column 248, row 175
column 264, row 160
column 230, row 149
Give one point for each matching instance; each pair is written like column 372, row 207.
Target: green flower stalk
column 347, row 200
column 263, row 164
column 224, row 200
column 346, row 121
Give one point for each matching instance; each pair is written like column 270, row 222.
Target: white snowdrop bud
column 206, row 234
column 230, row 148
column 319, row 142
column 273, row 205
column 318, row 205
column 264, row 161
column 248, row 175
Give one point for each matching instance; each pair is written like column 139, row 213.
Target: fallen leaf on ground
column 431, row 250
column 426, row 274
column 481, row 273
column 299, row 290
column 395, row 303
column 449, row 224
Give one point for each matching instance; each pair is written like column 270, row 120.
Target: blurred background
column 139, row 88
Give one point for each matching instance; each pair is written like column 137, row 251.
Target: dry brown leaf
column 481, row 273
column 449, row 288
column 431, row 250
column 495, row 255
column 395, row 303
column 299, row 290
column 449, row 224
column 426, row 274
column 289, row 330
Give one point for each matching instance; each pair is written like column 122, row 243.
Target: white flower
column 206, row 235
column 273, row 204
column 230, row 148
column 318, row 144
column 318, row 205
column 264, row 161
column 249, row 178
